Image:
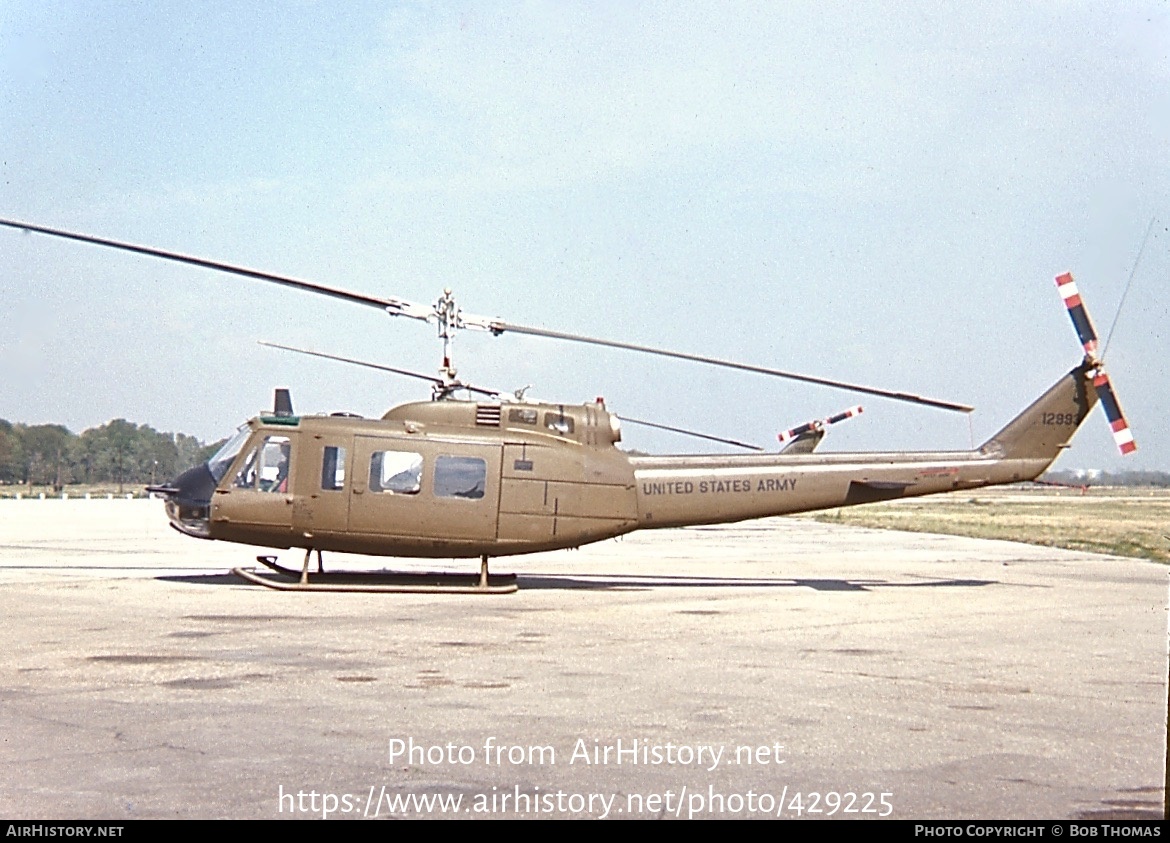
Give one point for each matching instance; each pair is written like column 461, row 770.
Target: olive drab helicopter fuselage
column 468, row 479
column 497, row 476
column 430, row 479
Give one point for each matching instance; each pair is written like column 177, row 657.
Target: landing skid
column 387, row 582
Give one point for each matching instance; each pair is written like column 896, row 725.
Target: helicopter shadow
column 636, row 582
column 605, row 582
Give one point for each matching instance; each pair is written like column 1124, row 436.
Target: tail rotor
column 805, row 438
column 1087, row 334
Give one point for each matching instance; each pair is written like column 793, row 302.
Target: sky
column 881, row 193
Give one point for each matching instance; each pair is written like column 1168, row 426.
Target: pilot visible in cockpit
column 280, row 482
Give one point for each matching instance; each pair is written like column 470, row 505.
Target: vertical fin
column 1047, row 426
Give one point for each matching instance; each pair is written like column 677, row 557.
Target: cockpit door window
column 266, row 468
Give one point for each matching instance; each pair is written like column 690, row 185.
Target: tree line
column 117, row 452
column 125, row 453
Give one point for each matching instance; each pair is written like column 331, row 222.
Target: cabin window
column 266, row 468
column 460, row 477
column 333, row 468
column 516, row 415
column 396, row 472
column 558, row 422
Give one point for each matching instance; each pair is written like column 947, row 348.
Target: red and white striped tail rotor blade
column 1117, row 423
column 820, row 424
column 1086, row 333
column 789, row 435
column 848, row 414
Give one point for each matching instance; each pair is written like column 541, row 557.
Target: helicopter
column 493, row 474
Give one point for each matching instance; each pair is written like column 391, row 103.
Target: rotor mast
column 448, row 318
column 447, row 315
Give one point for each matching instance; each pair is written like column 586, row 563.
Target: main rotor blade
column 493, row 393
column 405, row 372
column 694, row 433
column 499, row 327
column 340, row 359
column 396, row 307
column 427, row 313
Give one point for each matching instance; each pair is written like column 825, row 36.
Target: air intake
column 487, row 415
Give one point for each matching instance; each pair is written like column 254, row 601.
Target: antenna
column 1125, row 292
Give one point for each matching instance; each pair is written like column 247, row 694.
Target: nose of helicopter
column 188, row 501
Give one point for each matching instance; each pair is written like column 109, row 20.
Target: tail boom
column 682, row 491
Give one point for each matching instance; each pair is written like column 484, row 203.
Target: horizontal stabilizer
column 872, row 491
column 882, row 485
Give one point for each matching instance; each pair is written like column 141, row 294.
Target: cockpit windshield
column 221, row 462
